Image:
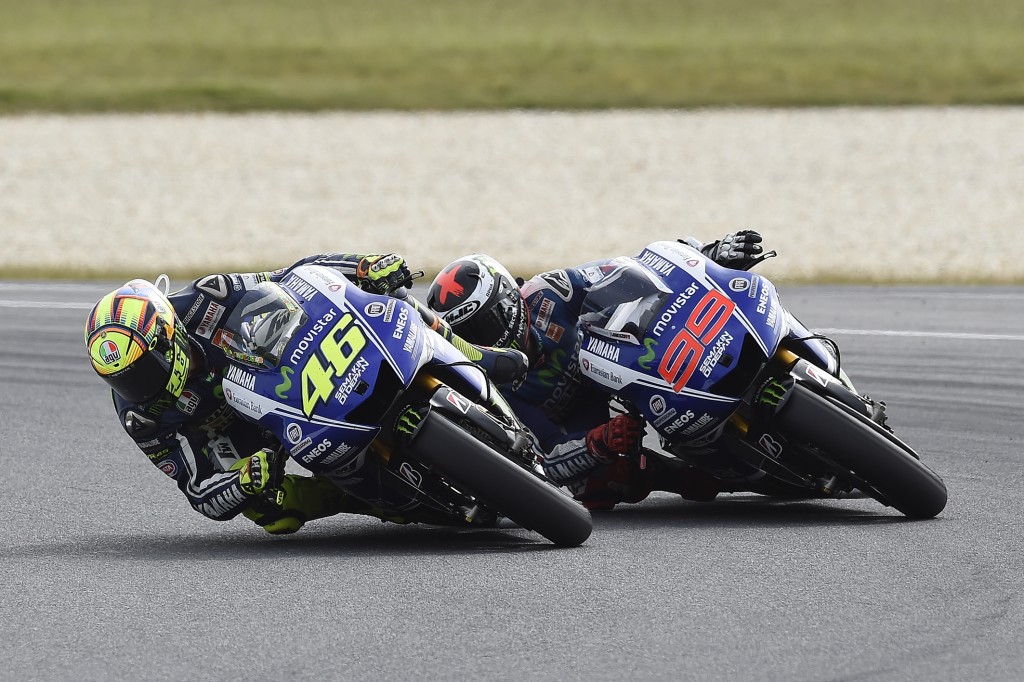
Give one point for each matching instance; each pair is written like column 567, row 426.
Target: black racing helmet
column 480, row 301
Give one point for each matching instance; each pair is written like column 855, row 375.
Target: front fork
column 761, row 445
column 514, row 439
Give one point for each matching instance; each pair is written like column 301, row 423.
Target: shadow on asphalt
column 325, row 539
column 755, row 511
column 356, row 536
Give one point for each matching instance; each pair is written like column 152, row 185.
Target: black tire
column 500, row 484
column 885, row 464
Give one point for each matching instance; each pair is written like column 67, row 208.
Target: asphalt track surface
column 108, row 575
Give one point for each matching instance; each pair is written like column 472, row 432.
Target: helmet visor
column 152, row 372
column 500, row 324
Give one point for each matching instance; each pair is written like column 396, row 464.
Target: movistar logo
column 286, row 382
column 648, row 357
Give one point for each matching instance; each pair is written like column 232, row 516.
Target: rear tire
column 500, row 484
column 893, row 471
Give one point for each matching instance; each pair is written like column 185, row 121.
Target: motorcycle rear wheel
column 503, row 486
column 893, row 472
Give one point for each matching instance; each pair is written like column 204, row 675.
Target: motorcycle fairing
column 681, row 349
column 334, row 374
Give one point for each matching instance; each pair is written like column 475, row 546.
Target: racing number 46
column 684, row 352
column 332, row 358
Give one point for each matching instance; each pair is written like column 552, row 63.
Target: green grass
column 234, row 55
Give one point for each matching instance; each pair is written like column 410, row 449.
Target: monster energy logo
column 408, row 421
column 772, row 393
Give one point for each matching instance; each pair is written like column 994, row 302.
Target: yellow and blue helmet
column 136, row 343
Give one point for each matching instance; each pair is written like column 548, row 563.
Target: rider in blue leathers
column 160, row 356
column 584, row 448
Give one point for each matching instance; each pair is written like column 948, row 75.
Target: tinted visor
column 142, row 380
column 500, row 323
column 154, row 372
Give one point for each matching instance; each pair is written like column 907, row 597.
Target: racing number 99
column 684, row 352
column 332, row 358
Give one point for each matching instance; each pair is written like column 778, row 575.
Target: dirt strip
column 918, row 194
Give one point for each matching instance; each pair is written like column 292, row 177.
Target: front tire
column 500, row 484
column 892, row 471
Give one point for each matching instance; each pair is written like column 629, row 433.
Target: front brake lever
column 757, row 259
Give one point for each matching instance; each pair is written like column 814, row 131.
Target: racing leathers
column 200, row 442
column 551, row 399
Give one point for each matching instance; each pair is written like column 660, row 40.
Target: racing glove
column 737, row 250
column 620, row 436
column 258, row 473
column 383, row 274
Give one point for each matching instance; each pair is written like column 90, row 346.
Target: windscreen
column 624, row 301
column 260, row 326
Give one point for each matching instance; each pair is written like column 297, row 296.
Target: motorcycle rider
column 585, row 450
column 159, row 355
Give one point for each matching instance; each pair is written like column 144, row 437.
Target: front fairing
column 686, row 351
column 337, row 373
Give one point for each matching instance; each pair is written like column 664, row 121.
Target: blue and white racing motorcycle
column 736, row 386
column 361, row 390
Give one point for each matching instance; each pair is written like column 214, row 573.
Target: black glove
column 383, row 274
column 737, row 250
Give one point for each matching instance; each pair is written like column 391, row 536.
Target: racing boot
column 673, row 476
column 300, row 499
column 620, row 481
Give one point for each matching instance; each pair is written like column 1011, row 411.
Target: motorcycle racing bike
column 736, row 386
column 360, row 389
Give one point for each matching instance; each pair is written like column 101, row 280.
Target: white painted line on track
column 45, row 304
column 827, row 330
column 934, row 335
column 52, row 286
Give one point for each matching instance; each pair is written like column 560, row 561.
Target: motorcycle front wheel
column 881, row 465
column 501, row 485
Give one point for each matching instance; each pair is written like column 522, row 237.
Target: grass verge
column 235, row 55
